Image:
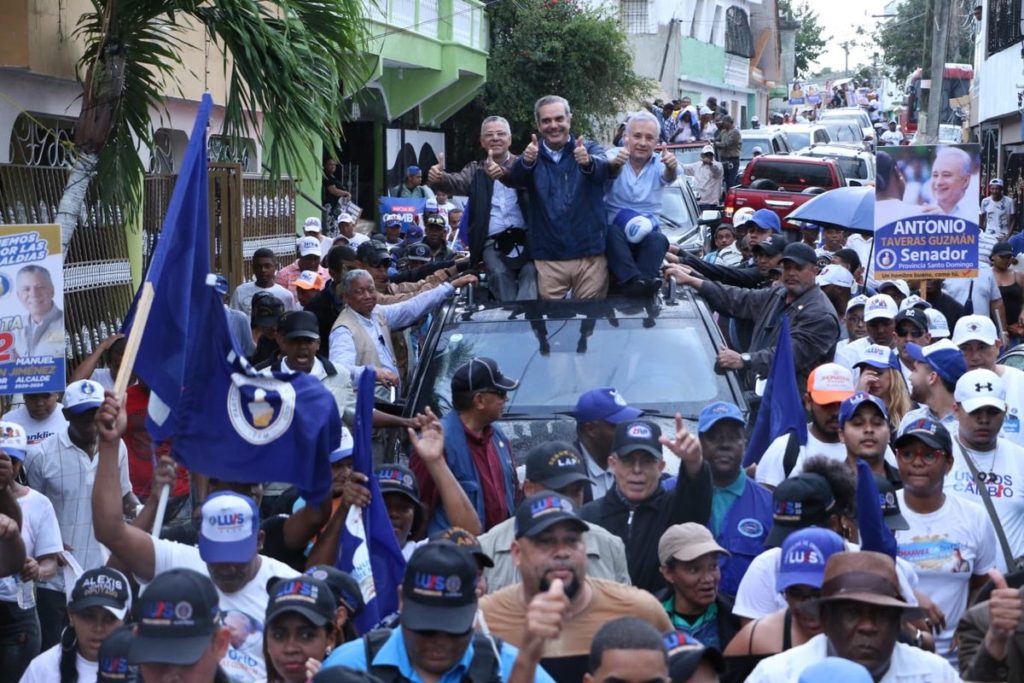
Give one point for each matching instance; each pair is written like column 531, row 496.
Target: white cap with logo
column 980, row 388
column 307, row 246
column 83, row 395
column 880, row 306
column 312, row 224
column 975, row 328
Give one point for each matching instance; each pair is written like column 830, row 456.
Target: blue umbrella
column 850, row 208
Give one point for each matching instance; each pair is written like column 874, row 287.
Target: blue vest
column 456, row 452
column 744, row 530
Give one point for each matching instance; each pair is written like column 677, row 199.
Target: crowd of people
column 884, row 546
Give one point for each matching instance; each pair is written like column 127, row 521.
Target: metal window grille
column 1003, row 24
column 634, row 16
column 738, row 40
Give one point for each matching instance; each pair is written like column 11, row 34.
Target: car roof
column 566, row 309
column 801, row 127
column 834, row 150
column 790, row 159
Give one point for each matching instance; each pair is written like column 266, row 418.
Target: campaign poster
column 796, row 93
column 409, row 211
column 32, row 347
column 926, row 212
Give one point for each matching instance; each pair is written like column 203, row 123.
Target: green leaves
column 287, row 62
column 810, row 42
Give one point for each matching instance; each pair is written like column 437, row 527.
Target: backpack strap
column 373, row 642
column 486, row 666
column 792, row 453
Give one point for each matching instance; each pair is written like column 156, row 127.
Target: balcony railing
column 463, row 22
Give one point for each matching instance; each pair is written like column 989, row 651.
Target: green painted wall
column 702, row 61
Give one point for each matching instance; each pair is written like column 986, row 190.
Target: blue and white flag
column 782, row 406
column 368, row 549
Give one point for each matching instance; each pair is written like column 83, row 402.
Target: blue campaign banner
column 32, row 341
column 927, row 212
column 407, row 210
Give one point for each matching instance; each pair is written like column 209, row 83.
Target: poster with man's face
column 32, row 341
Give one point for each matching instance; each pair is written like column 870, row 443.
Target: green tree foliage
column 810, row 39
column 902, row 38
column 545, row 47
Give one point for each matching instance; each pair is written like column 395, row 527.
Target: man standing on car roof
column 727, row 144
column 707, row 174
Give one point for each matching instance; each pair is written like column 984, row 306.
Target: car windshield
column 687, row 155
column 853, row 167
column 798, row 140
column 639, row 356
column 841, row 132
column 748, row 145
column 677, row 215
column 793, row 173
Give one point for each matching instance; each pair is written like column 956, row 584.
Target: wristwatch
column 745, row 357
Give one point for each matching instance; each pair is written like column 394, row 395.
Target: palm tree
column 286, row 59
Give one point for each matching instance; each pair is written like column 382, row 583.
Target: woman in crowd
column 99, row 602
column 1011, row 287
column 880, row 376
column 348, row 600
column 299, row 631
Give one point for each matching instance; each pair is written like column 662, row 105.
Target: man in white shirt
column 228, row 551
column 827, row 387
column 264, row 268
column 977, row 338
column 891, row 137
column 999, row 463
column 597, row 413
column 998, row 213
column 937, row 368
column 41, row 416
column 979, row 294
column 861, row 612
column 880, row 319
column 709, row 177
column 42, row 333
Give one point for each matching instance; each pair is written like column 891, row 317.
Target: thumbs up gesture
column 531, row 151
column 1004, row 610
column 545, row 616
column 492, row 168
column 620, row 159
column 436, row 171
column 581, row 153
column 669, row 159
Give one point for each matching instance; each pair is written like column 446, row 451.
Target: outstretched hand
column 111, row 419
column 684, row 445
column 580, row 153
column 429, row 444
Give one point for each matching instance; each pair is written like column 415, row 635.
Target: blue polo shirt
column 722, row 500
column 393, row 653
column 637, row 191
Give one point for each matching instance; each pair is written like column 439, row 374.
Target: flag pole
column 124, row 373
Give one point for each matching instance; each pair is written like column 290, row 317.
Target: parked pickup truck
column 782, row 183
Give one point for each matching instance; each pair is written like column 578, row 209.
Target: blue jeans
column 19, row 639
column 628, row 261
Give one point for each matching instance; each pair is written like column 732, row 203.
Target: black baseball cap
column 464, row 539
column 345, row 588
column 112, row 662
column 555, row 465
column 299, row 325
column 637, row 435
column 891, row 513
column 267, row 309
column 481, row 374
column 304, row 595
column 1002, row 248
column 418, row 252
column 801, row 501
column 773, row 246
column 539, row 512
column 435, row 220
column 800, row 254
column 397, row 478
column 914, row 315
column 101, row 587
column 177, row 617
column 929, row 432
column 439, row 589
column 373, row 253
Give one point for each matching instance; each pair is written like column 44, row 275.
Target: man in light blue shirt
column 435, row 638
column 635, row 247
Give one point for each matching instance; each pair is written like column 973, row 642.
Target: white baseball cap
column 900, row 285
column 346, row 218
column 345, row 449
column 855, row 301
column 938, row 326
column 312, row 224
column 914, row 301
column 975, row 328
column 83, row 395
column 880, row 306
column 307, row 246
column 742, row 215
column 13, row 440
column 707, row 149
column 833, row 274
column 980, row 388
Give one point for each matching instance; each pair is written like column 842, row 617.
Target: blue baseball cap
column 345, row 449
column 804, row 555
column 230, row 528
column 604, row 403
column 877, row 356
column 413, row 234
column 413, row 170
column 944, row 357
column 715, row 412
column 850, row 406
column 766, row 219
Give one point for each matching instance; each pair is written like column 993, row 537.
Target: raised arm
column 88, row 366
column 429, row 446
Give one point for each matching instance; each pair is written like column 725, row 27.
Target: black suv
column 659, row 354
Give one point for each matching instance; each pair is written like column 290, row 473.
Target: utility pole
column 845, row 47
column 940, row 31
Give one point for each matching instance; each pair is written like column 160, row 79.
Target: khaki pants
column 584, row 278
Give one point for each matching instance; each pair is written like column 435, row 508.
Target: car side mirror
column 854, row 183
column 710, row 217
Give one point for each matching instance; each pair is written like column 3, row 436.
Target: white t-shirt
column 756, row 597
column 242, row 297
column 38, row 430
column 1003, row 470
column 997, row 216
column 946, row 548
column 1014, row 380
column 770, row 470
column 984, row 293
column 46, row 668
column 243, row 611
column 40, row 532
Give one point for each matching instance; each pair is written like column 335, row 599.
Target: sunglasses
column 500, row 393
column 913, row 333
column 928, row 457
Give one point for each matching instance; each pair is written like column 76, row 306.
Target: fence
column 97, row 274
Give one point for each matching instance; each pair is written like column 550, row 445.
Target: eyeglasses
column 798, row 595
column 914, row 333
column 500, row 393
column 908, row 455
column 854, row 319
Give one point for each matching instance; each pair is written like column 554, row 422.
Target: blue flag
column 238, row 424
column 782, row 406
column 875, row 534
column 177, row 273
column 368, row 549
column 464, row 226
